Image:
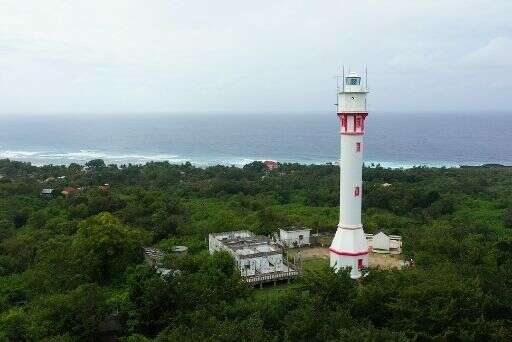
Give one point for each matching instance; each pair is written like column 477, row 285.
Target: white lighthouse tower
column 349, row 248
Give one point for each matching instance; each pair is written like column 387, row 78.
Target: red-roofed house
column 68, row 191
column 271, row 164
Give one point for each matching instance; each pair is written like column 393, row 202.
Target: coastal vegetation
column 72, row 266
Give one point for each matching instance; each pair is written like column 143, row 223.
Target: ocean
column 392, row 139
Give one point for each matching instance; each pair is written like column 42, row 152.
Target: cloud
column 125, row 55
column 495, row 54
column 416, row 61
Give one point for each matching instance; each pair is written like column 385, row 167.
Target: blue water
column 204, row 139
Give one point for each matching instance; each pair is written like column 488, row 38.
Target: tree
column 508, row 218
column 75, row 168
column 96, row 164
column 152, row 301
column 105, row 247
column 14, row 325
column 79, row 312
column 255, row 168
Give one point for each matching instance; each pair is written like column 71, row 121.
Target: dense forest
column 72, row 266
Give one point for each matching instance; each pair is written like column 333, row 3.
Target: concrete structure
column 382, row 243
column 295, row 237
column 47, row 192
column 349, row 248
column 256, row 257
column 179, row 250
column 153, row 257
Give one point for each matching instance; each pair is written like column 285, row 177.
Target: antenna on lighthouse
column 366, row 76
column 337, row 86
column 343, row 79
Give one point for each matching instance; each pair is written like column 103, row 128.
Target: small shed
column 48, row 192
column 381, row 241
column 68, row 191
column 295, row 237
column 179, row 250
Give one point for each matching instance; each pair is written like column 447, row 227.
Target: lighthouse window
column 353, row 80
column 358, row 147
column 356, row 191
column 358, row 122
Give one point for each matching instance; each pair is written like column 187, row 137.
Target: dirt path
column 385, row 261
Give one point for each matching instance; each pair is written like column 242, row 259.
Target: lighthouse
column 349, row 248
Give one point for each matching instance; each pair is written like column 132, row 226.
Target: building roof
column 179, row 249
column 248, row 245
column 271, row 164
column 153, row 253
column 295, row 230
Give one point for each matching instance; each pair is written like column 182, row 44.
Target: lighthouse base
column 349, row 249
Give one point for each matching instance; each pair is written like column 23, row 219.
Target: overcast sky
column 127, row 56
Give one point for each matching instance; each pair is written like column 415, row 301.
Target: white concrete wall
column 351, row 163
column 251, row 266
column 381, row 241
column 292, row 238
column 353, row 102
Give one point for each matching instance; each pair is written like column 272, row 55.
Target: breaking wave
column 83, row 156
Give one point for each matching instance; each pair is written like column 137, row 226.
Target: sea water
column 392, row 139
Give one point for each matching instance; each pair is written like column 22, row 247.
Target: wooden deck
column 258, row 279
column 270, row 277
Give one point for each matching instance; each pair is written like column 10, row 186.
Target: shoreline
column 43, row 158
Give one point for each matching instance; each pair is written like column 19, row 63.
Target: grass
column 269, row 291
column 313, row 265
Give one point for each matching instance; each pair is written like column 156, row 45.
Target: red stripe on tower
column 349, row 253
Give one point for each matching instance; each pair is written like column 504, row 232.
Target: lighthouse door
column 359, row 263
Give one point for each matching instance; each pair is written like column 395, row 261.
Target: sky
column 163, row 56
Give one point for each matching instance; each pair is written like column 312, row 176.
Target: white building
column 295, row 238
column 349, row 248
column 47, row 192
column 256, row 257
column 382, row 243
